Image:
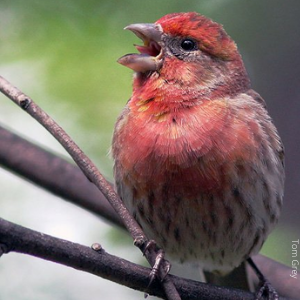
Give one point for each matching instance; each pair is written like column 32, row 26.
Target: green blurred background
column 63, row 54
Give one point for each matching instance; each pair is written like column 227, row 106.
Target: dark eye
column 188, row 45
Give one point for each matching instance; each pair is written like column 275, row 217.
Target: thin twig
column 66, row 180
column 16, row 238
column 53, row 173
column 90, row 170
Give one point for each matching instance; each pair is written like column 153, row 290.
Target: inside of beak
column 150, row 57
column 150, row 47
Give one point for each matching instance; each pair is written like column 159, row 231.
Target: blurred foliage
column 76, row 45
column 69, row 50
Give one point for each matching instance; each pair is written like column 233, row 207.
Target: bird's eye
column 188, row 45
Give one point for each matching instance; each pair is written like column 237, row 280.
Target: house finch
column 197, row 159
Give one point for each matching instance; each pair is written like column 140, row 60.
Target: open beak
column 150, row 57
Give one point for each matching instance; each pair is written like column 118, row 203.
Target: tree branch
column 67, row 181
column 93, row 174
column 18, row 239
column 53, row 173
column 279, row 275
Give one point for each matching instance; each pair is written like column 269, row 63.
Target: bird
column 198, row 161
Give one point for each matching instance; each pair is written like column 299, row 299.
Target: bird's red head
column 184, row 54
column 211, row 36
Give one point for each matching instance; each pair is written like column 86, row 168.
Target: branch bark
column 93, row 174
column 53, row 173
column 66, row 180
column 15, row 238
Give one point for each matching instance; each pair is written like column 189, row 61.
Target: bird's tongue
column 143, row 49
column 151, row 48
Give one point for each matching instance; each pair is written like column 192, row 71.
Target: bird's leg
column 266, row 290
column 161, row 267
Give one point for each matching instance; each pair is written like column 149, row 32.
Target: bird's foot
column 150, row 245
column 161, row 266
column 266, row 291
